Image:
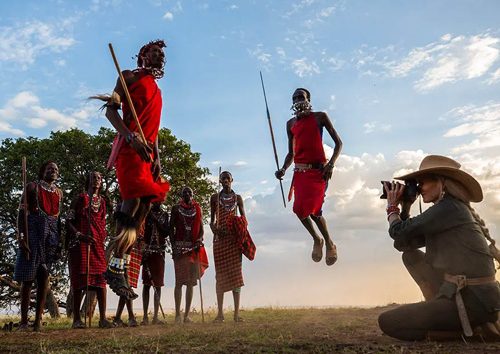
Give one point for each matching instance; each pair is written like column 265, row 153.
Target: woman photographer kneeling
column 456, row 273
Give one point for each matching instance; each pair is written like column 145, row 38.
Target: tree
column 77, row 153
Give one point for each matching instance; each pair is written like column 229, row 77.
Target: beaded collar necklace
column 228, row 201
column 47, row 186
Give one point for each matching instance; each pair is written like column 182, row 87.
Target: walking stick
column 25, row 206
column 199, row 280
column 154, row 289
column 127, row 94
column 272, row 137
column 89, row 233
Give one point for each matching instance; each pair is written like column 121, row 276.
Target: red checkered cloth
column 134, row 266
column 239, row 226
column 78, row 253
column 186, row 272
column 227, row 256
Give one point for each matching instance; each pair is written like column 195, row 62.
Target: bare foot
column 317, row 252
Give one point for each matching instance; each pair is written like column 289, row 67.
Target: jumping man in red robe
column 137, row 162
column 312, row 171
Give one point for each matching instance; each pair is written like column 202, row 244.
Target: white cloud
column 448, row 60
column 240, row 163
column 302, row 67
column 260, row 54
column 480, row 122
column 494, row 77
column 25, row 111
column 168, row 16
column 23, row 43
column 374, row 126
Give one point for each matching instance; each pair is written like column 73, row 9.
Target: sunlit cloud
column 26, row 111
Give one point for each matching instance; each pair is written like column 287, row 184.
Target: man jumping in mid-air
column 312, row 171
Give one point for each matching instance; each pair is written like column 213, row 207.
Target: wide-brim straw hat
column 448, row 168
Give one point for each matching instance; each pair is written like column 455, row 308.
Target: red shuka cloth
column 48, row 201
column 134, row 175
column 184, row 274
column 308, row 186
column 78, row 254
column 227, row 254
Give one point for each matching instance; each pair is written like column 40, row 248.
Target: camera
column 409, row 193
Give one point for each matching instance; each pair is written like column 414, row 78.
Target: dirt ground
column 345, row 330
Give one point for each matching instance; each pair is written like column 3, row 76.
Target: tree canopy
column 77, row 154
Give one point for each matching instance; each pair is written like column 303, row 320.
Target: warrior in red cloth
column 312, row 171
column 41, row 247
column 188, row 252
column 86, row 222
column 227, row 248
column 137, row 162
column 153, row 259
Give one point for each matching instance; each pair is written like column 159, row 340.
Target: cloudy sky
column 400, row 80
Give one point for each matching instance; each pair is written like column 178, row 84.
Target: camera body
column 410, row 192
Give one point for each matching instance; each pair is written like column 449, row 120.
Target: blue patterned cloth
column 43, row 243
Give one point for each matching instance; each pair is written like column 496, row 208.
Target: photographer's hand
column 394, row 193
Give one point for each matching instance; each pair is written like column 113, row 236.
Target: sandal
column 117, row 322
column 157, row 322
column 331, row 255
column 105, row 324
column 317, row 252
column 78, row 325
column 219, row 319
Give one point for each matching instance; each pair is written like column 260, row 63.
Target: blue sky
column 399, row 80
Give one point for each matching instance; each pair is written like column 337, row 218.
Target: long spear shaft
column 25, row 203
column 272, row 137
column 127, row 94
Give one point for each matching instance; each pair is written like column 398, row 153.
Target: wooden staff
column 127, row 94
column 199, row 281
column 90, row 190
column 272, row 137
column 25, row 206
column 155, row 291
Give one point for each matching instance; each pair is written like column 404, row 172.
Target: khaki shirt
column 454, row 244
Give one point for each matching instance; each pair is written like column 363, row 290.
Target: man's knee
column 386, row 322
column 413, row 257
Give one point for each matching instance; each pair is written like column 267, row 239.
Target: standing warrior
column 41, row 247
column 312, row 171
column 153, row 259
column 188, row 252
column 137, row 162
column 87, row 259
column 227, row 249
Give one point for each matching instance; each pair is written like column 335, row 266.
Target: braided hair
column 454, row 189
column 156, row 72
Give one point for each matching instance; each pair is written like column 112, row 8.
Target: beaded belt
column 308, row 166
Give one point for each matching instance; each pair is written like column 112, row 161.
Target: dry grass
column 266, row 330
